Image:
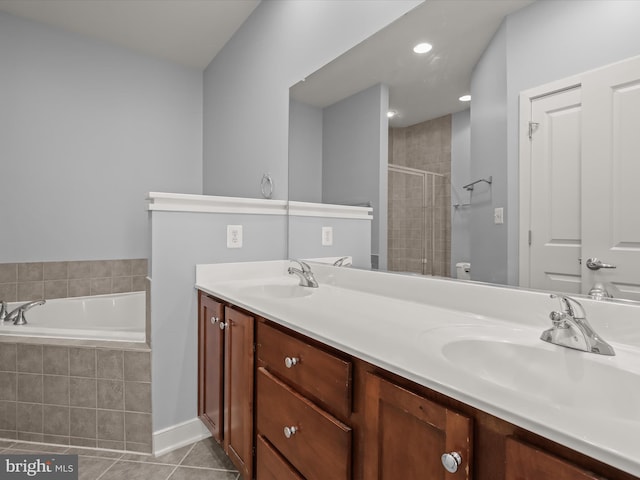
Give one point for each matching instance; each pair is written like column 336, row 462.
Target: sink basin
column 278, row 291
column 559, row 376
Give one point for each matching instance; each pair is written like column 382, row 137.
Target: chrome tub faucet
column 304, row 273
column 17, row 314
column 571, row 329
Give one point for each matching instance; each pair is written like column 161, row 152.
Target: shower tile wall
column 427, row 146
column 76, row 395
column 21, row 282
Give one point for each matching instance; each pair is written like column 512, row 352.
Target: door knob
column 595, row 264
column 222, row 325
column 214, row 320
column 451, row 461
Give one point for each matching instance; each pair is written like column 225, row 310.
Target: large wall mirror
column 388, row 132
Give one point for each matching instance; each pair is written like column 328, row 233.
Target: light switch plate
column 498, row 216
column 234, row 236
column 327, row 236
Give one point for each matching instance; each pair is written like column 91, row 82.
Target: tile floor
column 200, row 460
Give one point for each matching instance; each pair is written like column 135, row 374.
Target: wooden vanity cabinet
column 226, row 378
column 406, row 435
column 321, row 414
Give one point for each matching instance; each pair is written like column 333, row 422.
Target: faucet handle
column 303, row 265
column 570, row 306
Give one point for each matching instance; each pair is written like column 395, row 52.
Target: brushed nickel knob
column 290, row 431
column 291, row 361
column 214, row 320
column 451, row 461
column 222, row 325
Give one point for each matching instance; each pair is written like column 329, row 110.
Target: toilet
column 462, row 270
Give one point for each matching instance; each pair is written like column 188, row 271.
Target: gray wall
column 305, row 152
column 547, row 41
column 355, row 158
column 86, row 130
column 350, row 237
column 460, row 174
column 246, row 87
column 488, row 157
column 180, row 241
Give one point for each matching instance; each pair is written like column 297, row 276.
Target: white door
column 583, row 203
column 555, row 247
column 611, row 178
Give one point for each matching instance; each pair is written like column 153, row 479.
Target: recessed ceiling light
column 391, row 113
column 465, row 98
column 422, row 48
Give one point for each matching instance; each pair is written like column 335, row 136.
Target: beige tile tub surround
column 76, row 395
column 23, row 282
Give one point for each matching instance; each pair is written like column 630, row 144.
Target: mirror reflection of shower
column 419, row 196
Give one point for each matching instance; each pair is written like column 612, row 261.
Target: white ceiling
column 188, row 32
column 421, row 87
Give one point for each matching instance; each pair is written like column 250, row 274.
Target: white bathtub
column 118, row 317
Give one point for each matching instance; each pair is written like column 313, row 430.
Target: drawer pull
column 222, row 325
column 214, row 320
column 291, row 361
column 290, row 431
column 451, row 461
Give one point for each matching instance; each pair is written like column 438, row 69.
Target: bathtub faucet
column 17, row 314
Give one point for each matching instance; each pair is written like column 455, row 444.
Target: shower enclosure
column 418, row 222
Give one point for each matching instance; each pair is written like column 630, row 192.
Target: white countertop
column 473, row 342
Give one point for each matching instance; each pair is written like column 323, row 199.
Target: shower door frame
column 424, row 174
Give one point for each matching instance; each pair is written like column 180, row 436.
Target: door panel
column 524, row 462
column 211, row 361
column 556, row 238
column 611, row 177
column 238, row 372
column 406, row 435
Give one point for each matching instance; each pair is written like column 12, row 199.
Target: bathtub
column 119, row 317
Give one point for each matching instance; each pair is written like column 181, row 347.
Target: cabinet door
column 406, row 435
column 524, row 462
column 238, row 375
column 210, row 362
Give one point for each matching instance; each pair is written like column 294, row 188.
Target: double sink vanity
column 377, row 375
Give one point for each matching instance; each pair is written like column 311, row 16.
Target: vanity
column 376, row 375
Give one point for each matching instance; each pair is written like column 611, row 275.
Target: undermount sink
column 558, row 376
column 278, row 290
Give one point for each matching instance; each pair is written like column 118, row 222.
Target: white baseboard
column 176, row 436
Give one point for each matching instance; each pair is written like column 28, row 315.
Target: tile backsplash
column 21, row 282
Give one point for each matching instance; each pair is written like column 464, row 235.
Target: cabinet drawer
column 323, row 377
column 271, row 466
column 320, row 446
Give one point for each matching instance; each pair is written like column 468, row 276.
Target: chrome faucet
column 17, row 314
column 342, row 262
column 571, row 329
column 304, row 273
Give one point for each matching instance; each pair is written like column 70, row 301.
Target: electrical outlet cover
column 327, row 236
column 234, row 236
